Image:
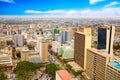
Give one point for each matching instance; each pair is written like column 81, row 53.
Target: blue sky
column 69, row 8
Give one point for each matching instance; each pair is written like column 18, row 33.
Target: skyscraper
column 58, row 38
column 43, row 50
column 96, row 64
column 106, row 37
column 81, row 43
column 19, row 40
column 55, row 31
column 66, row 36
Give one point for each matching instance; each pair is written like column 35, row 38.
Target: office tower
column 43, row 50
column 19, row 31
column 96, row 64
column 58, row 38
column 19, row 40
column 55, row 31
column 106, row 37
column 113, row 71
column 66, row 36
column 72, row 30
column 63, row 75
column 55, row 46
column 81, row 43
column 24, row 55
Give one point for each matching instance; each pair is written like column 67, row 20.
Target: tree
column 51, row 69
column 25, row 69
column 68, row 67
column 2, row 74
column 25, row 75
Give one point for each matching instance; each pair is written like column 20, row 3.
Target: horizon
column 61, row 8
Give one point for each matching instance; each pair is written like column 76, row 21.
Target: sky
column 60, row 8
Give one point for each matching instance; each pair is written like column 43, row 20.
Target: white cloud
column 112, row 4
column 105, row 12
column 33, row 11
column 95, row 1
column 8, row 1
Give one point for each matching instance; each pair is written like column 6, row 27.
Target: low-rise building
column 63, row 75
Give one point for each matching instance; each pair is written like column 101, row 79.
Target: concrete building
column 3, row 43
column 63, row 75
column 58, row 38
column 106, row 38
column 81, row 43
column 43, row 50
column 19, row 40
column 67, row 51
column 55, row 31
column 24, row 55
column 5, row 59
column 96, row 64
column 55, row 46
column 66, row 36
column 113, row 71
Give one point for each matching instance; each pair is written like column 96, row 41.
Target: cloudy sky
column 69, row 8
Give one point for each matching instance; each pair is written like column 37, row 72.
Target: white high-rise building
column 58, row 38
column 18, row 40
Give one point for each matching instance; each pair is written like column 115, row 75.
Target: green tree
column 25, row 75
column 68, row 66
column 25, row 69
column 2, row 74
column 51, row 69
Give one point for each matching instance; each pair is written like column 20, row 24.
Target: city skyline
column 60, row 8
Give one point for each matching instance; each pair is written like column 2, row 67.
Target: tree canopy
column 25, row 69
column 2, row 75
column 52, row 68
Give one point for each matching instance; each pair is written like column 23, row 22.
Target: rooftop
column 100, row 52
column 75, row 66
column 64, row 74
column 115, row 65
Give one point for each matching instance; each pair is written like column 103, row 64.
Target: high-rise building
column 81, row 43
column 113, row 71
column 66, row 36
column 106, row 37
column 55, row 31
column 43, row 50
column 55, row 46
column 19, row 40
column 58, row 38
column 96, row 64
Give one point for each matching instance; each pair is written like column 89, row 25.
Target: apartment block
column 96, row 64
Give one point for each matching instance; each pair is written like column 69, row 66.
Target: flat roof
column 99, row 52
column 64, row 74
column 75, row 66
column 114, row 64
